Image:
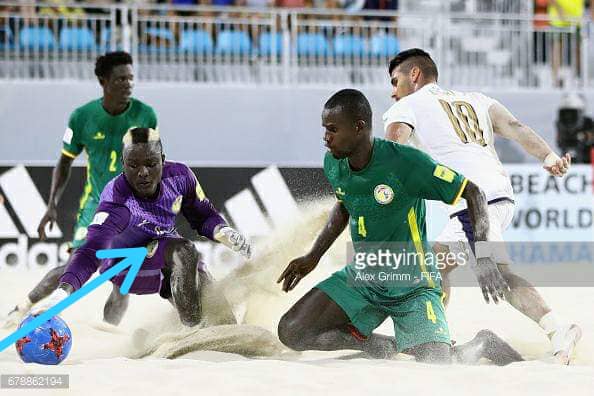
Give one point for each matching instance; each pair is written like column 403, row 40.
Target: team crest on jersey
column 152, row 248
column 383, row 194
column 177, row 205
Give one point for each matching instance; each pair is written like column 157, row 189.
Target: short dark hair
column 105, row 63
column 142, row 135
column 352, row 102
column 414, row 57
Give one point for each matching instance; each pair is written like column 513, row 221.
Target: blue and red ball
column 49, row 343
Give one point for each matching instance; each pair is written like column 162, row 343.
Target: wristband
column 551, row 159
column 482, row 249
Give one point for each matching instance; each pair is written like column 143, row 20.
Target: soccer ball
column 49, row 343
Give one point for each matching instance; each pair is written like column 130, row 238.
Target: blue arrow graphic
column 133, row 258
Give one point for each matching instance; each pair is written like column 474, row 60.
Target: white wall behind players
column 222, row 126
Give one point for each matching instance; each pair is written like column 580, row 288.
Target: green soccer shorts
column 418, row 317
column 84, row 218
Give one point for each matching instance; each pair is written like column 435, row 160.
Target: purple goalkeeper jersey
column 123, row 221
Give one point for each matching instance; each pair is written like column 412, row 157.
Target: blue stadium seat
column 77, row 39
column 236, row 43
column 312, row 44
column 385, row 45
column 37, row 38
column 348, row 45
column 105, row 39
column 271, row 44
column 162, row 34
column 6, row 38
column 196, row 41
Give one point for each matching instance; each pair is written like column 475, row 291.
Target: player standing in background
column 96, row 128
column 457, row 129
column 138, row 208
column 381, row 187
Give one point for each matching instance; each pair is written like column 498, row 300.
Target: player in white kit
column 457, row 129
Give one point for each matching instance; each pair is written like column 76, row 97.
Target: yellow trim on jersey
column 68, row 153
column 459, row 195
column 416, row 236
column 88, row 186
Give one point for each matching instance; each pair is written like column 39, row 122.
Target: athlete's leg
column 486, row 344
column 115, row 306
column 181, row 257
column 431, row 352
column 522, row 295
column 47, row 285
column 316, row 322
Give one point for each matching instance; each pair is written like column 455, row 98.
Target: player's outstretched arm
column 60, row 178
column 490, row 279
column 110, row 220
column 207, row 221
column 301, row 266
column 507, row 126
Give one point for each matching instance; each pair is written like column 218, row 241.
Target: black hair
column 414, row 57
column 353, row 103
column 105, row 63
column 142, row 135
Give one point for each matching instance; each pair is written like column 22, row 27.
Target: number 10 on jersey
column 465, row 121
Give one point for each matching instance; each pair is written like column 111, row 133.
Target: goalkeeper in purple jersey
column 97, row 128
column 138, row 208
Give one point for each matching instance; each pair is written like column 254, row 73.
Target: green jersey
column 385, row 201
column 100, row 134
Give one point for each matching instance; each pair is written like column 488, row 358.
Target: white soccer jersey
column 456, row 130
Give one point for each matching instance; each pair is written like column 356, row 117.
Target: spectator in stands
column 565, row 14
column 291, row 3
column 8, row 25
column 224, row 3
column 184, row 3
column 63, row 15
column 255, row 3
column 384, row 5
column 27, row 9
column 540, row 24
column 60, row 8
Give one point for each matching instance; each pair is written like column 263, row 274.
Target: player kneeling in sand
column 381, row 187
column 138, row 208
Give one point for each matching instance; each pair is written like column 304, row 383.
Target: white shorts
column 459, row 229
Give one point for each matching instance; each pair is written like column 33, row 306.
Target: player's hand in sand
column 490, row 279
column 555, row 165
column 51, row 217
column 297, row 270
